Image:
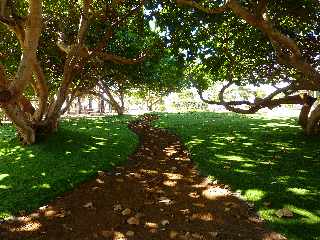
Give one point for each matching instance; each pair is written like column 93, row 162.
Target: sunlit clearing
column 215, row 192
column 254, row 194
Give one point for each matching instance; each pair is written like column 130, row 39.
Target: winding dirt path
column 158, row 195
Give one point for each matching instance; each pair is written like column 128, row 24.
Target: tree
column 150, row 80
column 291, row 28
column 92, row 27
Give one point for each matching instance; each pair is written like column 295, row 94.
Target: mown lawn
column 269, row 161
column 33, row 175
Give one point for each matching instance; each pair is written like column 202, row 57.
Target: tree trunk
column 102, row 107
column 115, row 105
column 79, row 106
column 90, row 104
column 313, row 123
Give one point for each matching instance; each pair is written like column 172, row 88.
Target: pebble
column 165, row 222
column 126, row 212
column 130, row 233
column 133, row 221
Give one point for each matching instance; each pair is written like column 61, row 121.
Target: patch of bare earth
column 158, row 195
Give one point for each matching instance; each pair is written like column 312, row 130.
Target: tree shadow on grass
column 270, row 162
column 31, row 176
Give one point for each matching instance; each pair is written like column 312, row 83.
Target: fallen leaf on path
column 88, row 205
column 213, row 234
column 165, row 222
column 127, row 211
column 139, row 215
column 107, row 234
column 130, row 233
column 119, row 236
column 99, row 181
column 117, row 207
column 196, row 236
column 133, row 221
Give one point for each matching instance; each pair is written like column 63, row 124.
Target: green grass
column 266, row 160
column 30, row 176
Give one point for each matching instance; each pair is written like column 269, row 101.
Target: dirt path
column 158, row 195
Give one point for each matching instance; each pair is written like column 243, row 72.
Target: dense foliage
column 70, row 47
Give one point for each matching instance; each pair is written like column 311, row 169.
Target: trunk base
column 37, row 133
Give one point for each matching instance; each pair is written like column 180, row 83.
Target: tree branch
column 121, row 60
column 202, row 8
column 84, row 22
column 294, row 58
column 261, row 8
column 258, row 104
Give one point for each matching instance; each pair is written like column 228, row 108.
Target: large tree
column 251, row 41
column 292, row 30
column 58, row 42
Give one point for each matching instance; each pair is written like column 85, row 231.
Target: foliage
column 31, row 176
column 266, row 160
column 248, row 42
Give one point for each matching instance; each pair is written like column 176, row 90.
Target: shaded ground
column 270, row 162
column 160, row 195
column 31, row 176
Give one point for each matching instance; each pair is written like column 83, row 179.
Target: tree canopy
column 50, row 51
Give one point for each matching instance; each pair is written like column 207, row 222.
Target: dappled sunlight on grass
column 269, row 161
column 254, row 195
column 33, row 175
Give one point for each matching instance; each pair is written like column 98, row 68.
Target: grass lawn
column 269, row 161
column 33, row 175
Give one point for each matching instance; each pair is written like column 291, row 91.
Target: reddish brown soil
column 167, row 198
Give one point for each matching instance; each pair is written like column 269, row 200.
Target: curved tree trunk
column 119, row 108
column 313, row 123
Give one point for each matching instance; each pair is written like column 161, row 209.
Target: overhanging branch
column 202, row 8
column 121, row 60
column 267, row 102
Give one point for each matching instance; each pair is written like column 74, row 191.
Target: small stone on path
column 133, row 221
column 130, row 233
column 117, row 207
column 88, row 205
column 213, row 234
column 127, row 211
column 165, row 222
